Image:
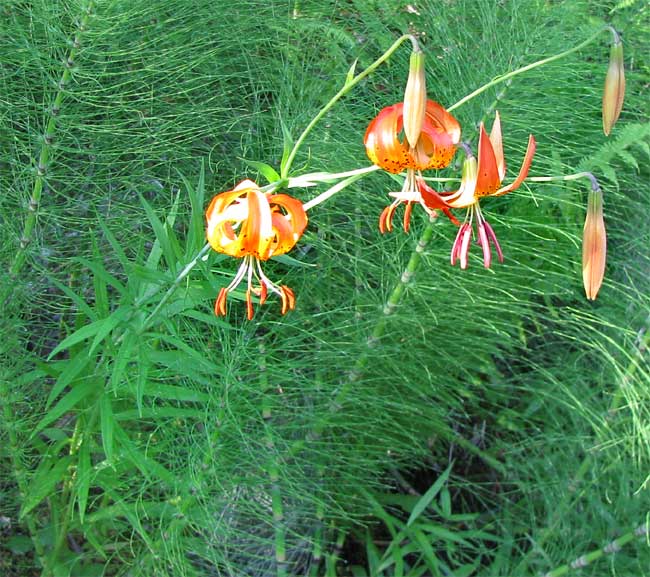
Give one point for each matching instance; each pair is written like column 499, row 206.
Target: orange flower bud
column 614, row 86
column 594, row 245
column 415, row 98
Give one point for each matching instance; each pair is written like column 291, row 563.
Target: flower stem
column 46, row 148
column 349, row 84
column 576, row 176
column 334, row 189
column 526, row 68
column 313, row 178
column 170, row 291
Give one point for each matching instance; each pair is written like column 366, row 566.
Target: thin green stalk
column 277, row 508
column 333, row 190
column 79, row 436
column 587, row 462
column 349, row 84
column 612, row 547
column 170, row 291
column 48, row 138
column 509, row 75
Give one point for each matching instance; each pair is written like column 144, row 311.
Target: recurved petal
column 383, row 146
column 523, row 171
column 256, row 234
column 487, row 178
column 295, row 212
column 437, row 143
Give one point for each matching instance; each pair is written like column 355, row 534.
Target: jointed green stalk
column 588, row 558
column 44, row 156
column 273, row 470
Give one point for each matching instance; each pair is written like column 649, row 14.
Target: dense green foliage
column 498, row 426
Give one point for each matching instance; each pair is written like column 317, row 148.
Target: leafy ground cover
column 497, row 425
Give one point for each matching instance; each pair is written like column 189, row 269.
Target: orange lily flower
column 483, row 178
column 387, row 147
column 250, row 224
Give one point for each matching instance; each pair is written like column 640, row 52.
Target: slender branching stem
column 46, row 147
column 170, row 291
column 333, row 190
column 588, row 461
column 509, row 75
column 277, row 508
column 349, row 85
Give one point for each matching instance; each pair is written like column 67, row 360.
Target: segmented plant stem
column 612, row 547
column 277, row 508
column 46, row 147
column 587, row 462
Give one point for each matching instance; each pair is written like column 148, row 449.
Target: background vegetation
column 498, row 427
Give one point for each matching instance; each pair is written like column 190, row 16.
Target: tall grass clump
column 408, row 417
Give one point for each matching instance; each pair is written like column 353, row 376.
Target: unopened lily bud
column 415, row 98
column 594, row 245
column 614, row 86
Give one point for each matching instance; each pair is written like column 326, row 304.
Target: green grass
column 177, row 443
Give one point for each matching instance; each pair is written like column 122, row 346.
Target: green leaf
column 79, row 392
column 424, row 501
column 100, row 327
column 107, row 424
column 47, row 475
column 82, row 478
column 266, row 170
column 290, row 261
column 427, row 552
column 196, row 234
column 174, row 393
column 117, row 248
column 350, row 75
column 124, row 355
column 162, row 239
column 100, row 273
column 287, row 145
column 110, row 323
column 72, row 367
column 159, row 413
column 205, row 318
column 20, row 544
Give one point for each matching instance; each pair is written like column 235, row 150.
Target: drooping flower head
column 594, row 244
column 483, row 177
column 614, row 91
column 389, row 147
column 255, row 226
